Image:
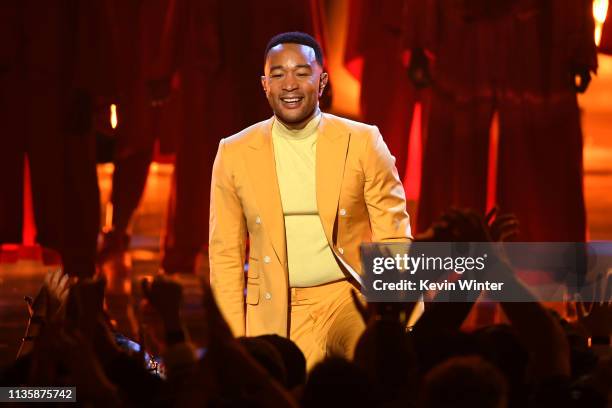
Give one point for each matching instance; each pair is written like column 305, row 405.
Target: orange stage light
column 600, row 9
column 113, row 116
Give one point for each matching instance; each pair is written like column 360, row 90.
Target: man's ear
column 264, row 84
column 323, row 79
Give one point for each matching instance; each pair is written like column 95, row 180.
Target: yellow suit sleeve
column 227, row 243
column 384, row 192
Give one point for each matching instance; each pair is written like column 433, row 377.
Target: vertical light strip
column 113, row 116
column 600, row 9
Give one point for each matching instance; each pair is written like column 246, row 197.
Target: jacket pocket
column 253, row 271
column 252, row 295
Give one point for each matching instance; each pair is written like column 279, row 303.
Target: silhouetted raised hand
column 597, row 321
column 45, row 307
column 228, row 371
column 165, row 295
column 502, row 227
column 51, row 296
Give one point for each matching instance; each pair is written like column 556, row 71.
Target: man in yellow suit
column 308, row 188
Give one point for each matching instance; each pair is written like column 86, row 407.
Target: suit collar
column 261, row 166
column 327, row 129
column 261, row 138
column 332, row 149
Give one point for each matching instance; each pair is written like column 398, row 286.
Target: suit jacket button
column 341, row 251
column 258, row 220
column 342, row 212
column 268, row 296
column 266, row 259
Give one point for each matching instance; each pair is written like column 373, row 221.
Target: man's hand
column 502, row 227
column 51, row 296
column 165, row 295
column 58, row 284
column 45, row 307
column 598, row 321
column 461, row 226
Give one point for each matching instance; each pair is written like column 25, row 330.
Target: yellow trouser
column 324, row 321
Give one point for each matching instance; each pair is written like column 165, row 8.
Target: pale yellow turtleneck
column 310, row 259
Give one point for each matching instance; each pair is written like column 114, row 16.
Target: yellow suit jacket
column 359, row 196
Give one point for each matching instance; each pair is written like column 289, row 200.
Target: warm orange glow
column 597, row 35
column 29, row 225
column 412, row 177
column 108, row 219
column 600, row 9
column 346, row 87
column 492, row 161
column 113, row 116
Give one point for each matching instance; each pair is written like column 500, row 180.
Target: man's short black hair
column 296, row 37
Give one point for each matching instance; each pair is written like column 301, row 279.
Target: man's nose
column 290, row 83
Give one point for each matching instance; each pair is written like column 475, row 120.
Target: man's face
column 293, row 82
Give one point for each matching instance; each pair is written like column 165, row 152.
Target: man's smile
column 291, row 102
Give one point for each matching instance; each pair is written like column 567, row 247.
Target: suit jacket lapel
column 332, row 145
column 262, row 174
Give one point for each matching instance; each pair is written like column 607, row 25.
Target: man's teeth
column 291, row 100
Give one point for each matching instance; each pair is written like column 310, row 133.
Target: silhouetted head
column 464, row 382
column 336, row 382
column 267, row 356
column 292, row 356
